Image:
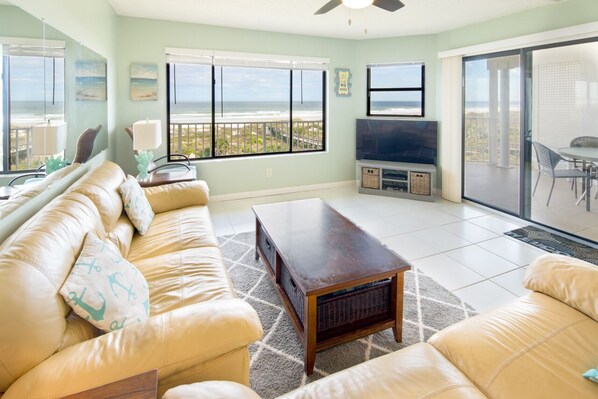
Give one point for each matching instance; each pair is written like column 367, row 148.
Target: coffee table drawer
column 267, row 247
column 344, row 307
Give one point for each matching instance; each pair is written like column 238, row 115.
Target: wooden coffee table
column 337, row 283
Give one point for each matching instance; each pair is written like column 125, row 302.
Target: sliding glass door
column 563, row 121
column 530, row 134
column 491, row 122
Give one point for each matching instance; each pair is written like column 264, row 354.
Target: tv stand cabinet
column 393, row 179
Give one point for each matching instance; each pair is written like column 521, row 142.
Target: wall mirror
column 52, row 89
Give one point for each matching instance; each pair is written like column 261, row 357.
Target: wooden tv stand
column 394, row 179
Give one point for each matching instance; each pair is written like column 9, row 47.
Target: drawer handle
column 293, row 284
column 268, row 244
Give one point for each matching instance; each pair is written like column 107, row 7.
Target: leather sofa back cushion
column 101, row 186
column 536, row 347
column 122, row 234
column 34, row 263
column 567, row 279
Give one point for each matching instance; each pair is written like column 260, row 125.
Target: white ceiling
column 296, row 16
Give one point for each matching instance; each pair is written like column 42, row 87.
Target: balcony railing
column 245, row 138
column 20, row 158
column 477, row 138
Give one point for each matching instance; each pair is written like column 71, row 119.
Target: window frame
column 213, row 156
column 421, row 89
column 6, row 109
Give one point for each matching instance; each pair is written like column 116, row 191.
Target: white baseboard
column 283, row 190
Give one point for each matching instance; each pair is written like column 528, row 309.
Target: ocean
column 30, row 113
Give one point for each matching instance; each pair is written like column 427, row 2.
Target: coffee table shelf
column 327, row 264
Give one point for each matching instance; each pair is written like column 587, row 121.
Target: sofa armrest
column 570, row 280
column 169, row 197
column 172, row 342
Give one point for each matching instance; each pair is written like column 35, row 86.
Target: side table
column 140, row 386
column 168, row 177
column 7, row 191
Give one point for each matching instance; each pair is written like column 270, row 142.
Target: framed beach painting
column 90, row 80
column 144, row 82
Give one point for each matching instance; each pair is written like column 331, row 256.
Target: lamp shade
column 357, row 4
column 48, row 138
column 147, row 135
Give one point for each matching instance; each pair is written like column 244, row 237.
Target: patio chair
column 547, row 162
column 583, row 141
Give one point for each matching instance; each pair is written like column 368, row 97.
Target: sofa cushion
column 185, row 277
column 121, row 234
column 567, row 279
column 34, row 263
column 535, row 347
column 136, row 205
column 104, row 288
column 174, row 231
column 212, row 390
column 418, row 371
column 100, row 185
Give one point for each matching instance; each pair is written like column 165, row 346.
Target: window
column 396, row 90
column 32, row 88
column 224, row 106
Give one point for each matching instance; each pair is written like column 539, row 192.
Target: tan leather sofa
column 32, row 190
column 197, row 330
column 536, row 347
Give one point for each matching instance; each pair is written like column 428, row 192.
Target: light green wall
column 144, row 41
column 549, row 17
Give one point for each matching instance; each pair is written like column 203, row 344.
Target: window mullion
column 214, row 111
column 291, row 113
column 6, row 112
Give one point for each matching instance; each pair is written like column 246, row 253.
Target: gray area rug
column 277, row 360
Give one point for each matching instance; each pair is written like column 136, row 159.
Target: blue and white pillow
column 592, row 375
column 137, row 206
column 104, row 288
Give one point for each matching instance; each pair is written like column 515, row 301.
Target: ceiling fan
column 388, row 5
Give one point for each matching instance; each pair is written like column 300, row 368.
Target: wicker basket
column 370, row 178
column 420, row 183
column 343, row 307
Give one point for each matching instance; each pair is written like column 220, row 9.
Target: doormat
column 555, row 243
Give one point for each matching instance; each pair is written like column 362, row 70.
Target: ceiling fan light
column 357, row 4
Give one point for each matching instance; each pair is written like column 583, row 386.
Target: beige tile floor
column 459, row 245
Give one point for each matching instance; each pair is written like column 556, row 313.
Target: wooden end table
column 169, row 176
column 141, row 386
column 337, row 283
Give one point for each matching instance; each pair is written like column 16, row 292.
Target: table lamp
column 50, row 139
column 147, row 135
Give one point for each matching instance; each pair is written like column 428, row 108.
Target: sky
column 27, row 82
column 244, row 84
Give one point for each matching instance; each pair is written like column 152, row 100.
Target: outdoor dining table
column 587, row 155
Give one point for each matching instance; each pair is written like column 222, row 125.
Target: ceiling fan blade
column 389, row 5
column 332, row 4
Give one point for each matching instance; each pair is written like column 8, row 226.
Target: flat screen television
column 397, row 141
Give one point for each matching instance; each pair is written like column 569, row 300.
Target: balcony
column 245, row 138
column 20, row 158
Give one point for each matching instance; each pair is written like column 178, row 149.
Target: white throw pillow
column 137, row 206
column 104, row 288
